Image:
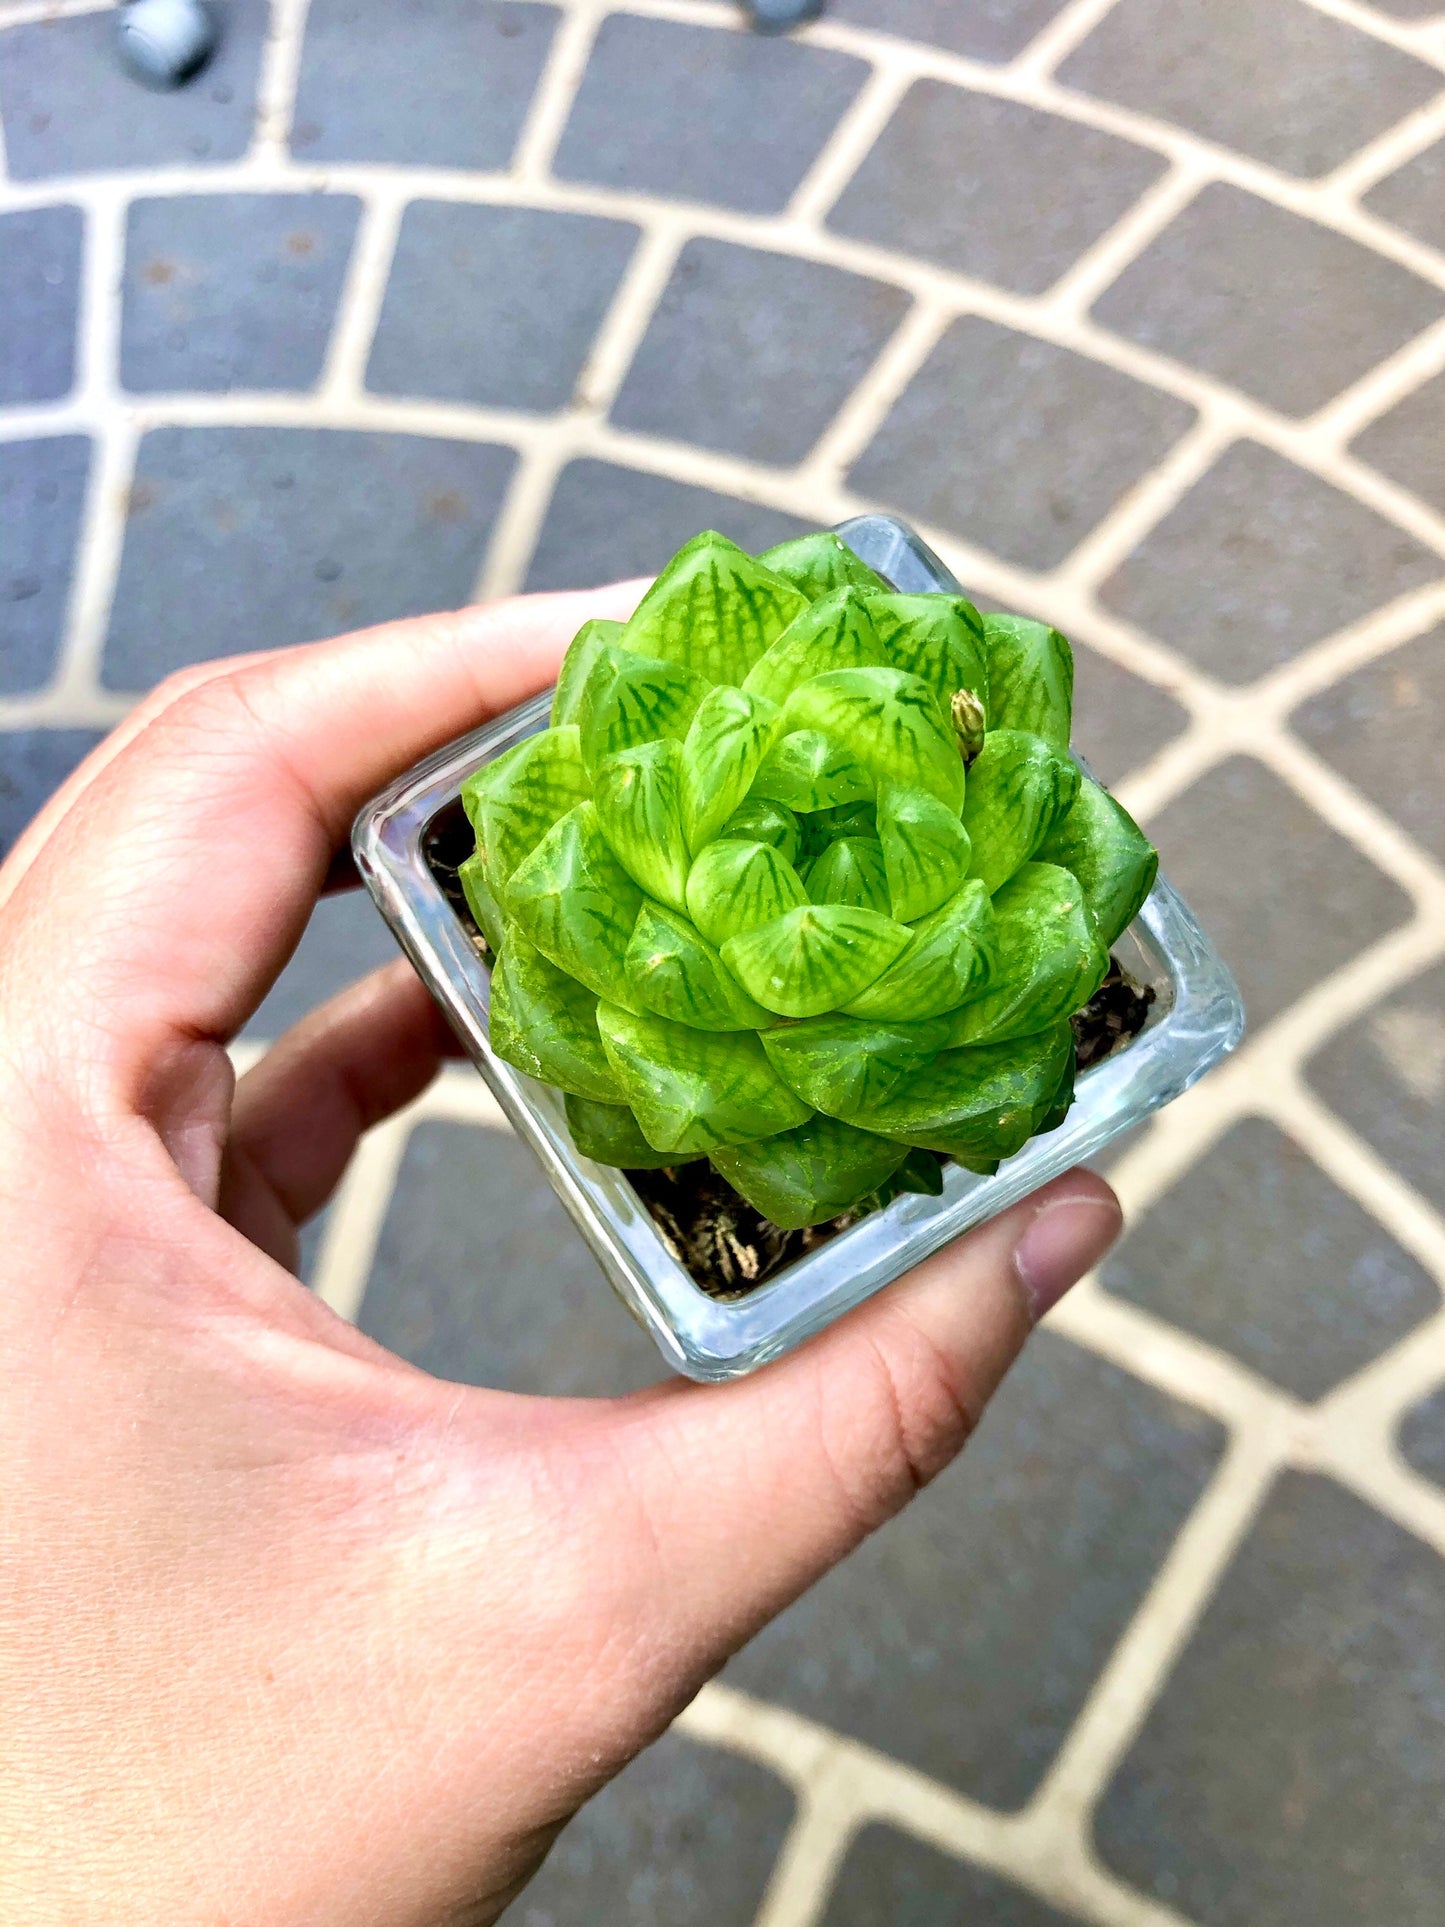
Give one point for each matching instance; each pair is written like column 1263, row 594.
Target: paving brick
column 42, row 494
column 606, row 523
column 890, row 1877
column 1381, row 729
column 1413, row 197
column 1267, row 301
column 69, row 107
column 1271, row 78
column 1294, row 1768
column 1256, row 1251
column 440, row 83
column 496, row 306
column 694, row 113
column 1385, row 1076
column 985, row 30
column 480, row 1276
column 326, row 530
column 734, row 356
column 1422, row 1437
column 33, row 764
column 1120, row 720
column 1408, row 443
column 232, row 290
column 686, row 1837
column 963, row 1637
column 40, row 249
column 1301, row 878
column 1026, row 192
column 1015, row 444
column 345, row 939
column 1258, row 561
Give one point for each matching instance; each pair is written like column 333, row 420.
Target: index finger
column 176, row 885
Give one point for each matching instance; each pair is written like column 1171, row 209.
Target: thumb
column 753, row 1490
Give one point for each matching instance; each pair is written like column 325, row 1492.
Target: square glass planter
column 1197, row 1018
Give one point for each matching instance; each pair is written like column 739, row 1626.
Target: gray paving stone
column 1381, row 729
column 1270, row 78
column 246, row 538
column 1260, row 560
column 40, row 250
column 1256, row 1251
column 1413, row 197
column 606, row 523
column 889, row 1879
column 1018, row 445
column 1422, row 1437
column 984, row 30
column 1120, row 720
column 232, row 290
column 1025, row 193
column 440, row 83
column 1267, row 301
column 69, row 107
column 42, row 494
column 1300, row 878
column 1408, row 443
column 1410, row 9
column 480, row 1276
column 345, row 939
column 963, row 1637
column 694, row 113
column 33, row 764
column 1385, row 1076
column 1294, row 1769
column 685, row 1837
column 754, row 352
column 495, row 305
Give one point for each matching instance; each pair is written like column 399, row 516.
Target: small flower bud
column 968, row 722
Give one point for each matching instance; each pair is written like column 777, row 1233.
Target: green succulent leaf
column 920, row 1172
column 851, row 871
column 949, row 959
column 1030, row 678
column 638, row 794
column 714, row 610
column 835, row 633
column 981, row 1103
column 844, row 1065
column 610, row 1134
column 811, row 1174
column 674, row 972
column 472, row 876
column 937, row 638
column 925, row 851
column 545, row 1023
column 1115, row 862
column 728, row 738
column 760, row 820
column 734, row 887
column 819, row 563
column 815, row 958
column 1018, row 789
column 887, row 720
column 582, row 653
column 693, row 1090
column 630, row 699
column 577, row 903
column 513, row 802
column 805, row 770
column 1048, row 960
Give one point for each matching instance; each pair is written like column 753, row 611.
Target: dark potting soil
column 728, row 1247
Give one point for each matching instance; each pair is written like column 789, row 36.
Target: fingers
column 749, row 1492
column 299, row 1114
column 199, row 846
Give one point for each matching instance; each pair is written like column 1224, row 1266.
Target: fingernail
column 1065, row 1240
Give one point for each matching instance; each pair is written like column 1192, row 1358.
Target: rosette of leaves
column 801, row 879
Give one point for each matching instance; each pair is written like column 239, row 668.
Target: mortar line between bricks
column 847, row 147
column 1053, row 44
column 276, row 87
column 1417, row 40
column 808, row 1861
column 862, row 412
column 358, row 309
column 1101, row 264
column 556, row 92
column 1388, row 384
column 25, row 13
column 1368, row 165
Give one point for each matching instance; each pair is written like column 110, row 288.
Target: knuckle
column 925, row 1414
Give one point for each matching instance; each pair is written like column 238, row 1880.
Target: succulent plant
column 801, row 879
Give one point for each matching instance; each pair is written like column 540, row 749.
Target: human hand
column 290, row 1631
